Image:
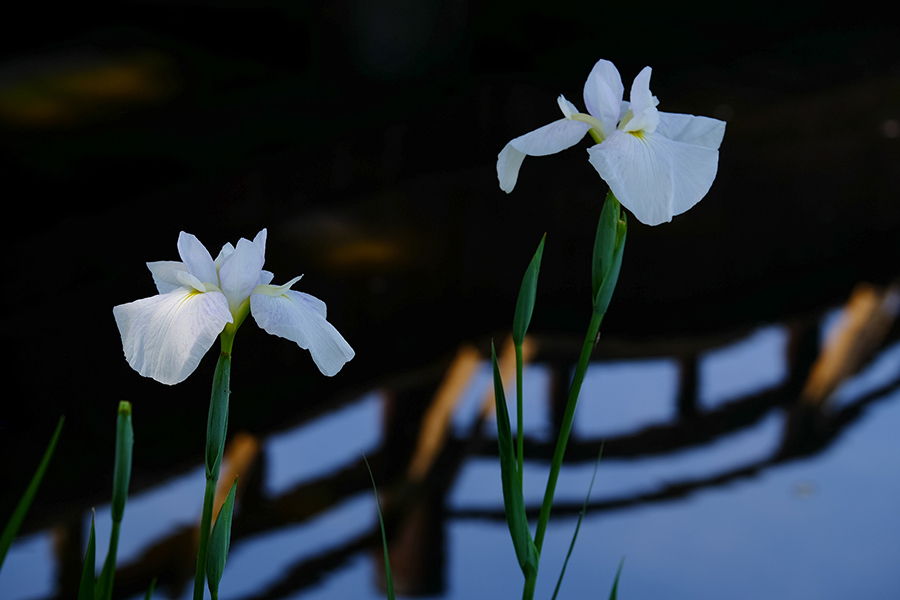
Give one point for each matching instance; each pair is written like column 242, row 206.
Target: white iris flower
column 657, row 164
column 165, row 336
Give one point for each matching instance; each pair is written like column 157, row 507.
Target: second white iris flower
column 165, row 336
column 657, row 164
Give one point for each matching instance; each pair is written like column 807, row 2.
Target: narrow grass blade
column 527, row 293
column 615, row 587
column 578, row 525
column 219, row 542
column 513, row 501
column 15, row 521
column 389, row 579
column 150, row 589
column 87, row 586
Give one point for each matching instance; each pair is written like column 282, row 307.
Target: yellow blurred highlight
column 436, row 422
column 240, row 455
column 365, row 253
column 55, row 97
column 864, row 322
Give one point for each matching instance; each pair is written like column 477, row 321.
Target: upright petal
column 545, row 140
column 164, row 274
column 224, row 253
column 299, row 317
column 164, row 337
column 603, row 92
column 197, row 258
column 643, row 104
column 241, row 272
column 701, row 131
column 652, row 176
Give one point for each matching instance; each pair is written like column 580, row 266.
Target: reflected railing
column 673, row 416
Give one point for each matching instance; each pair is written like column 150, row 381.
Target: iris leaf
column 513, row 501
column 15, row 521
column 388, row 577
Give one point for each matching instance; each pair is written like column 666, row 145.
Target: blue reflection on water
column 29, row 570
column 749, row 366
column 324, row 445
column 620, row 397
column 149, row 516
column 535, row 409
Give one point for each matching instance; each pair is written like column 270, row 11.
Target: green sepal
column 87, row 586
column 388, row 577
column 513, row 500
column 527, row 293
column 604, row 242
column 15, row 521
column 217, row 423
column 615, row 587
column 219, row 542
column 609, row 246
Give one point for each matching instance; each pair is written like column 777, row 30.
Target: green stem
column 565, row 429
column 205, row 522
column 216, row 430
column 520, row 447
column 528, row 590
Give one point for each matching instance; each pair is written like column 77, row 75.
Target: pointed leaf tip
column 219, row 542
column 527, row 294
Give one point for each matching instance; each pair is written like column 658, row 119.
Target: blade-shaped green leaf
column 513, row 501
column 578, row 524
column 608, row 285
column 121, row 479
column 604, row 242
column 615, row 587
column 87, row 586
column 219, row 542
column 150, row 589
column 388, row 577
column 15, row 521
column 527, row 293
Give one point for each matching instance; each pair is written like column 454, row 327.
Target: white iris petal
column 165, row 336
column 657, row 164
column 301, row 318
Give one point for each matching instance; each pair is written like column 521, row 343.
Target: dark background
column 364, row 136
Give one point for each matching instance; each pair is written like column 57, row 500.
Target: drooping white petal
column 690, row 129
column 603, row 92
column 643, row 104
column 240, row 272
column 509, row 161
column 545, row 140
column 165, row 336
column 164, row 277
column 654, row 177
column 197, row 258
column 300, row 318
column 552, row 138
